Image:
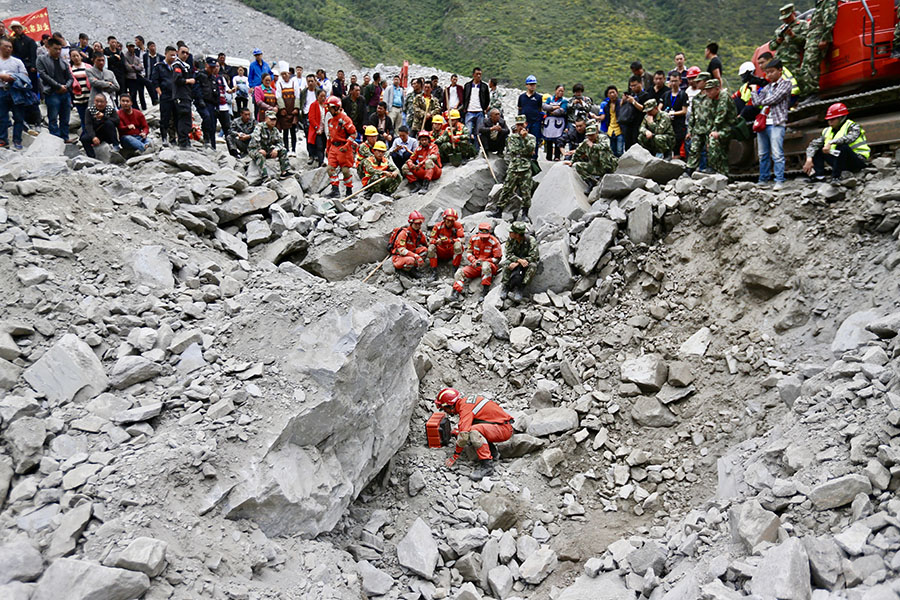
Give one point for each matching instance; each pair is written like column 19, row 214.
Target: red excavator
column 858, row 71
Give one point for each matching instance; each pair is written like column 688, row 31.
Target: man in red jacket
column 446, row 243
column 481, row 423
column 424, row 166
column 484, row 256
column 341, row 149
column 133, row 129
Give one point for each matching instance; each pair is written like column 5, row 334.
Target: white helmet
column 747, row 67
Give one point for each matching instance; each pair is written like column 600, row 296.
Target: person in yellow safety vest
column 743, row 97
column 842, row 145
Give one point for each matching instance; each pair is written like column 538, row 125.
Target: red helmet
column 333, row 101
column 446, row 398
column 836, row 110
column 415, row 216
column 693, row 72
column 485, row 226
column 451, row 214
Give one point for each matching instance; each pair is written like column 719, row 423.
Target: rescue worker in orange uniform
column 424, row 166
column 340, row 149
column 447, row 239
column 484, row 257
column 380, row 171
column 410, row 246
column 482, row 423
column 370, row 135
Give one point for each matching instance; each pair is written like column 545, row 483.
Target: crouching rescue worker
column 482, row 423
column 380, row 171
column 446, row 243
column 424, row 166
column 484, row 260
column 521, row 261
column 842, row 145
column 409, row 246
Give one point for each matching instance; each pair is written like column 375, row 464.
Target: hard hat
column 333, row 101
column 450, row 213
column 747, row 67
column 370, row 130
column 380, row 146
column 423, row 133
column 416, row 216
column 530, row 79
column 447, row 398
column 437, row 119
column 257, row 52
column 14, row 24
column 836, row 110
column 485, row 226
column 693, row 72
column 454, row 114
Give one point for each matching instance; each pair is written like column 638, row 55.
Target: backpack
column 393, row 239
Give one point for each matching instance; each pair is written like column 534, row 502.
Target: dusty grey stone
column 608, row 586
column 520, row 444
column 538, row 566
column 462, row 541
column 194, row 162
column 783, row 573
column 152, row 267
column 138, row 414
column 375, row 582
column 25, row 439
column 595, row 240
column 853, row 333
column 554, row 271
column 618, row 185
column 560, row 192
column 501, row 508
column 81, row 580
column 130, row 370
column 418, row 550
column 751, row 524
column 839, row 491
column 650, row 412
column 639, row 162
column 640, row 223
column 20, row 561
column 501, row 581
column 66, row 536
column 144, row 554
column 9, row 374
column 68, row 371
column 647, row 371
column 552, row 420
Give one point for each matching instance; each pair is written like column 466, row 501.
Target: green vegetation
column 592, row 41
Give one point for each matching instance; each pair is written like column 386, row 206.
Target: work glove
column 452, row 461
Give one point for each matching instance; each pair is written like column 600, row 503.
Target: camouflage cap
column 787, row 10
column 650, row 105
column 521, row 120
column 271, row 114
column 711, row 84
column 518, row 227
column 704, row 76
column 591, row 129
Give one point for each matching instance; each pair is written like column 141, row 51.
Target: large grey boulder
column 144, row 554
column 25, row 440
column 608, row 586
column 185, row 160
column 81, row 580
column 340, row 259
column 640, row 223
column 554, row 271
column 152, row 267
column 853, row 332
column 783, row 573
column 648, row 372
column 538, row 566
column 560, row 192
column 251, row 201
column 839, row 491
column 418, row 551
column 595, row 239
column 352, row 404
column 618, row 185
column 751, row 524
column 68, row 371
column 638, row 162
column 552, row 420
column 46, row 145
column 19, row 561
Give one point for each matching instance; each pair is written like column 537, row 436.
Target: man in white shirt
column 476, row 100
column 308, row 97
column 403, row 146
column 10, row 65
column 394, row 96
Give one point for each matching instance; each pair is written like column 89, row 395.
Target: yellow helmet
column 437, row 119
column 380, row 146
column 454, row 114
column 370, row 130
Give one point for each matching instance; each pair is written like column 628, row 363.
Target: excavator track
column 859, row 104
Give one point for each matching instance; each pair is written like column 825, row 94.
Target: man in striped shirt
column 774, row 99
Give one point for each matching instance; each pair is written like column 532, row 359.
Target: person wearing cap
column 842, row 145
column 493, row 132
column 530, row 105
column 697, row 125
column 238, row 139
column 484, row 255
column 425, row 106
column 819, row 35
column 380, row 171
column 656, row 134
column 424, row 166
column 720, row 116
column 25, row 49
column 774, row 100
column 339, row 148
column 520, row 149
column 593, row 158
column 266, row 142
column 211, row 86
column 521, row 256
column 454, row 141
column 258, row 68
column 364, row 151
column 790, row 38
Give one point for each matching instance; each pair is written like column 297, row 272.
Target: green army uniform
column 422, row 110
column 896, row 50
column 496, row 101
column 722, row 114
column 363, row 153
column 516, row 279
column 821, row 25
column 663, row 140
column 790, row 49
column 408, row 109
column 378, row 172
column 268, row 138
column 455, row 154
column 698, row 125
column 594, row 159
column 519, row 150
column 237, row 146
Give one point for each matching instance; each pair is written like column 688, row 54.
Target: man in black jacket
column 115, row 62
column 635, row 98
column 383, row 123
column 212, row 93
column 492, row 133
column 474, row 106
column 57, row 82
column 100, row 125
column 355, row 107
column 183, row 86
column 25, row 49
column 162, row 78
column 151, row 58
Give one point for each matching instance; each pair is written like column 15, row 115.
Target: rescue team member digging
column 482, row 423
column 484, row 255
column 446, row 243
column 410, row 246
column 340, row 151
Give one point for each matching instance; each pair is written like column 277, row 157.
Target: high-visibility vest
column 795, row 87
column 745, row 93
column 859, row 145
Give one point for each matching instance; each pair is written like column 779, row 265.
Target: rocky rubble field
column 202, row 399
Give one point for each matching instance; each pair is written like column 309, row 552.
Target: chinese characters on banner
column 35, row 24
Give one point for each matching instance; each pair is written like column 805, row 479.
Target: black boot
column 497, row 213
column 433, row 276
column 504, row 292
column 455, row 296
column 484, row 469
column 348, row 191
column 425, row 185
column 485, row 290
column 416, row 186
column 335, row 192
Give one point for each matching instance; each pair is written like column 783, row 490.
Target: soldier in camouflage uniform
column 454, row 141
column 818, row 37
column 519, row 150
column 698, row 126
column 238, row 140
column 721, row 115
column 790, row 39
column 408, row 105
column 381, row 171
column 656, row 134
column 267, row 142
column 896, row 51
column 594, row 158
column 425, row 106
column 520, row 261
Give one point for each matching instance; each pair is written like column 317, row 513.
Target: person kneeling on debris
column 842, row 145
column 424, row 166
column 656, row 134
column 446, row 243
column 454, row 141
column 100, row 125
column 266, row 142
column 484, row 257
column 521, row 261
column 410, row 245
column 482, row 423
column 370, row 137
column 238, row 140
column 594, row 158
column 380, row 171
